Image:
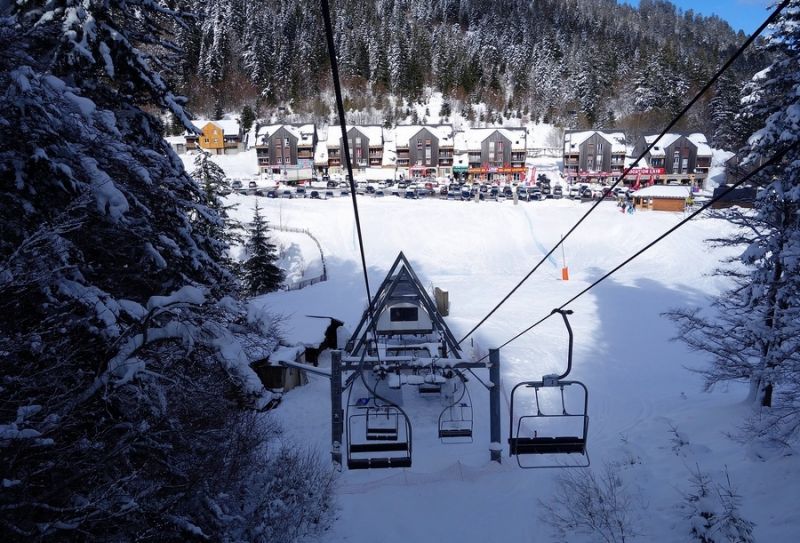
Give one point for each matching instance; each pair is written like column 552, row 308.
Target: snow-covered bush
column 713, row 511
column 601, row 506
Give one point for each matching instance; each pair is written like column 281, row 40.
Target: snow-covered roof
column 373, row 133
column 229, row 127
column 303, row 133
column 661, row 144
column 703, row 148
column 175, row 140
column 474, row 137
column 573, row 140
column 443, row 132
column 299, row 329
column 664, row 191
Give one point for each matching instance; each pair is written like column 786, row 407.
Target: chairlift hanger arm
column 564, row 313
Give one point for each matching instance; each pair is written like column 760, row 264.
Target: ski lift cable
column 776, row 158
column 674, row 121
column 326, row 15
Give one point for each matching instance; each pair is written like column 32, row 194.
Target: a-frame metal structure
column 402, row 285
column 389, row 443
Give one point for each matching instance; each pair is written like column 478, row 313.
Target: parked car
column 272, row 194
column 370, row 189
column 236, row 184
column 411, row 194
column 331, row 184
column 380, row 194
column 252, row 185
column 329, row 194
column 287, row 194
column 522, row 193
column 535, row 194
column 345, row 193
column 558, row 192
column 508, row 192
column 300, row 192
column 315, row 195
column 401, row 185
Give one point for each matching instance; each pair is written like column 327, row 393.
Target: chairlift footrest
column 455, row 433
column 547, row 445
column 367, row 463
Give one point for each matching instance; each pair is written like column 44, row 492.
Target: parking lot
column 414, row 190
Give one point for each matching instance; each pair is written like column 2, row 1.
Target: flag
column 638, row 184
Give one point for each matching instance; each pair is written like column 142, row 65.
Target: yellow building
column 217, row 137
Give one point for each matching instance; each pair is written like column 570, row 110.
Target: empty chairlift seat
column 554, row 422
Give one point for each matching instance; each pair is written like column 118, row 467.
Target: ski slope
column 639, row 381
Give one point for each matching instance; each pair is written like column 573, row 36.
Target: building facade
column 364, row 142
column 593, row 155
column 219, row 137
column 286, row 151
column 685, row 159
column 424, row 151
column 492, row 154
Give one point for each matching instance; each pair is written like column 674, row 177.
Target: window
column 427, row 151
column 403, row 314
column 685, row 165
column 676, row 161
column 599, row 148
column 491, row 151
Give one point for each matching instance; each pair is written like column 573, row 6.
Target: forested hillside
column 579, row 62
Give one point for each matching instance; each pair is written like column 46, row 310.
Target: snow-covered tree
column 260, row 272
column 755, row 334
column 127, row 399
column 712, row 511
column 216, row 185
column 723, row 108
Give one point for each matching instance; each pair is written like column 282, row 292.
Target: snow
column 638, row 380
column 229, row 127
column 664, row 191
column 185, row 295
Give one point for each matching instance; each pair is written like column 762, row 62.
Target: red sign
column 646, row 171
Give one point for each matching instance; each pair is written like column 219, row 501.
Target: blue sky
column 744, row 15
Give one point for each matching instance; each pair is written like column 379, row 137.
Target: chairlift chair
column 378, row 435
column 455, row 420
column 553, row 432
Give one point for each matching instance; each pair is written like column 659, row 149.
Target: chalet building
column 365, row 144
column 491, row 154
column 735, row 171
column 424, row 151
column 685, row 159
column 221, row 137
column 286, row 150
column 593, row 155
column 662, row 198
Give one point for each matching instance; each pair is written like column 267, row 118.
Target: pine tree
column 127, row 409
column 755, row 334
column 247, row 118
column 260, row 271
column 215, row 185
column 724, row 108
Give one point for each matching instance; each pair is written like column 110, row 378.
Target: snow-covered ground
column 639, row 381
